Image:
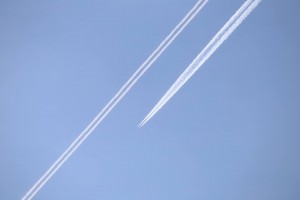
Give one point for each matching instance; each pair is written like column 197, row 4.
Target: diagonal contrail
column 112, row 103
column 212, row 46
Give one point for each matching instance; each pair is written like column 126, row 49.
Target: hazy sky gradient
column 232, row 132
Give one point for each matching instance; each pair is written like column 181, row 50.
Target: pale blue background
column 231, row 133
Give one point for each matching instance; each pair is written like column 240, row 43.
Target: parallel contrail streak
column 212, row 46
column 112, row 103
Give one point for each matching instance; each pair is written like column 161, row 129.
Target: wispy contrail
column 112, row 103
column 212, row 46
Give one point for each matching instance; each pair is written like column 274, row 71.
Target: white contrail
column 212, row 46
column 112, row 103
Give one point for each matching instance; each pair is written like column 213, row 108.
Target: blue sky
column 232, row 132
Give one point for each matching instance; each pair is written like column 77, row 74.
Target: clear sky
column 232, row 132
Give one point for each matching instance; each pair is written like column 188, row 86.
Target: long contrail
column 112, row 103
column 212, row 46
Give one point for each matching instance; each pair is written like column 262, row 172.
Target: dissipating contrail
column 113, row 102
column 240, row 15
